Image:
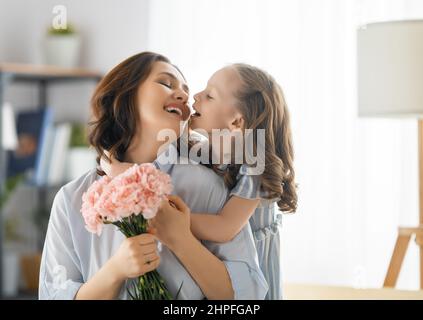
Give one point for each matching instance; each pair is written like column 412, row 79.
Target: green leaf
column 11, row 184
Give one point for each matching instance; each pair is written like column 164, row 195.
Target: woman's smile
column 179, row 110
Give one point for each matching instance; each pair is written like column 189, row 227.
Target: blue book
column 32, row 128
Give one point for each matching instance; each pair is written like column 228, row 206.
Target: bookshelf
column 42, row 76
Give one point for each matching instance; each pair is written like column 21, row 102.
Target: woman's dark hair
column 114, row 105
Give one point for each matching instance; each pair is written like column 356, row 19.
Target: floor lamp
column 390, row 84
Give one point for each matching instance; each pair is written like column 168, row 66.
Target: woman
column 134, row 102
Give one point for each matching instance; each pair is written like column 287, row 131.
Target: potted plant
column 62, row 47
column 10, row 254
column 80, row 158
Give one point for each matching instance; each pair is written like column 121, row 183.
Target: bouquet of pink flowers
column 128, row 201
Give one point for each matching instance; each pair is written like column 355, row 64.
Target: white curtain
column 357, row 177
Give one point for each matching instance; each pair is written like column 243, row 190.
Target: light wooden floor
column 319, row 292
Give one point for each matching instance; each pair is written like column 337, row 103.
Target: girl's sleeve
column 60, row 275
column 240, row 258
column 247, row 186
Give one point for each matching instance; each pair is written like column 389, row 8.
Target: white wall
column 110, row 30
column 357, row 177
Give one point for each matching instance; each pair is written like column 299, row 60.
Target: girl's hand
column 171, row 225
column 114, row 168
column 135, row 257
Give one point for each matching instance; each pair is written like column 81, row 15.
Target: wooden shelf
column 45, row 72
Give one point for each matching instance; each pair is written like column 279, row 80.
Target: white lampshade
column 390, row 69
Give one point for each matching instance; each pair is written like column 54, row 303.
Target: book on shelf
column 46, row 148
column 63, row 161
column 45, row 152
column 54, row 149
column 31, row 127
column 58, row 156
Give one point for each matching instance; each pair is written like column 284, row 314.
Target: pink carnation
column 90, row 199
column 139, row 190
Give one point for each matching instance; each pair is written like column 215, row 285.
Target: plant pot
column 79, row 161
column 62, row 50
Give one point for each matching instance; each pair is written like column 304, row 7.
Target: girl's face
column 162, row 100
column 215, row 106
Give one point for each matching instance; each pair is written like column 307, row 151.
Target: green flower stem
column 151, row 285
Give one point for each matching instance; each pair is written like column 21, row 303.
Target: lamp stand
column 405, row 234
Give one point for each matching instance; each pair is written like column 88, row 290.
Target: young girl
column 236, row 98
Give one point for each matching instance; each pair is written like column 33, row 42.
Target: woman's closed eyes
column 171, row 81
column 167, row 84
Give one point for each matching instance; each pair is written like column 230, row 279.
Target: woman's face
column 215, row 106
column 162, row 100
